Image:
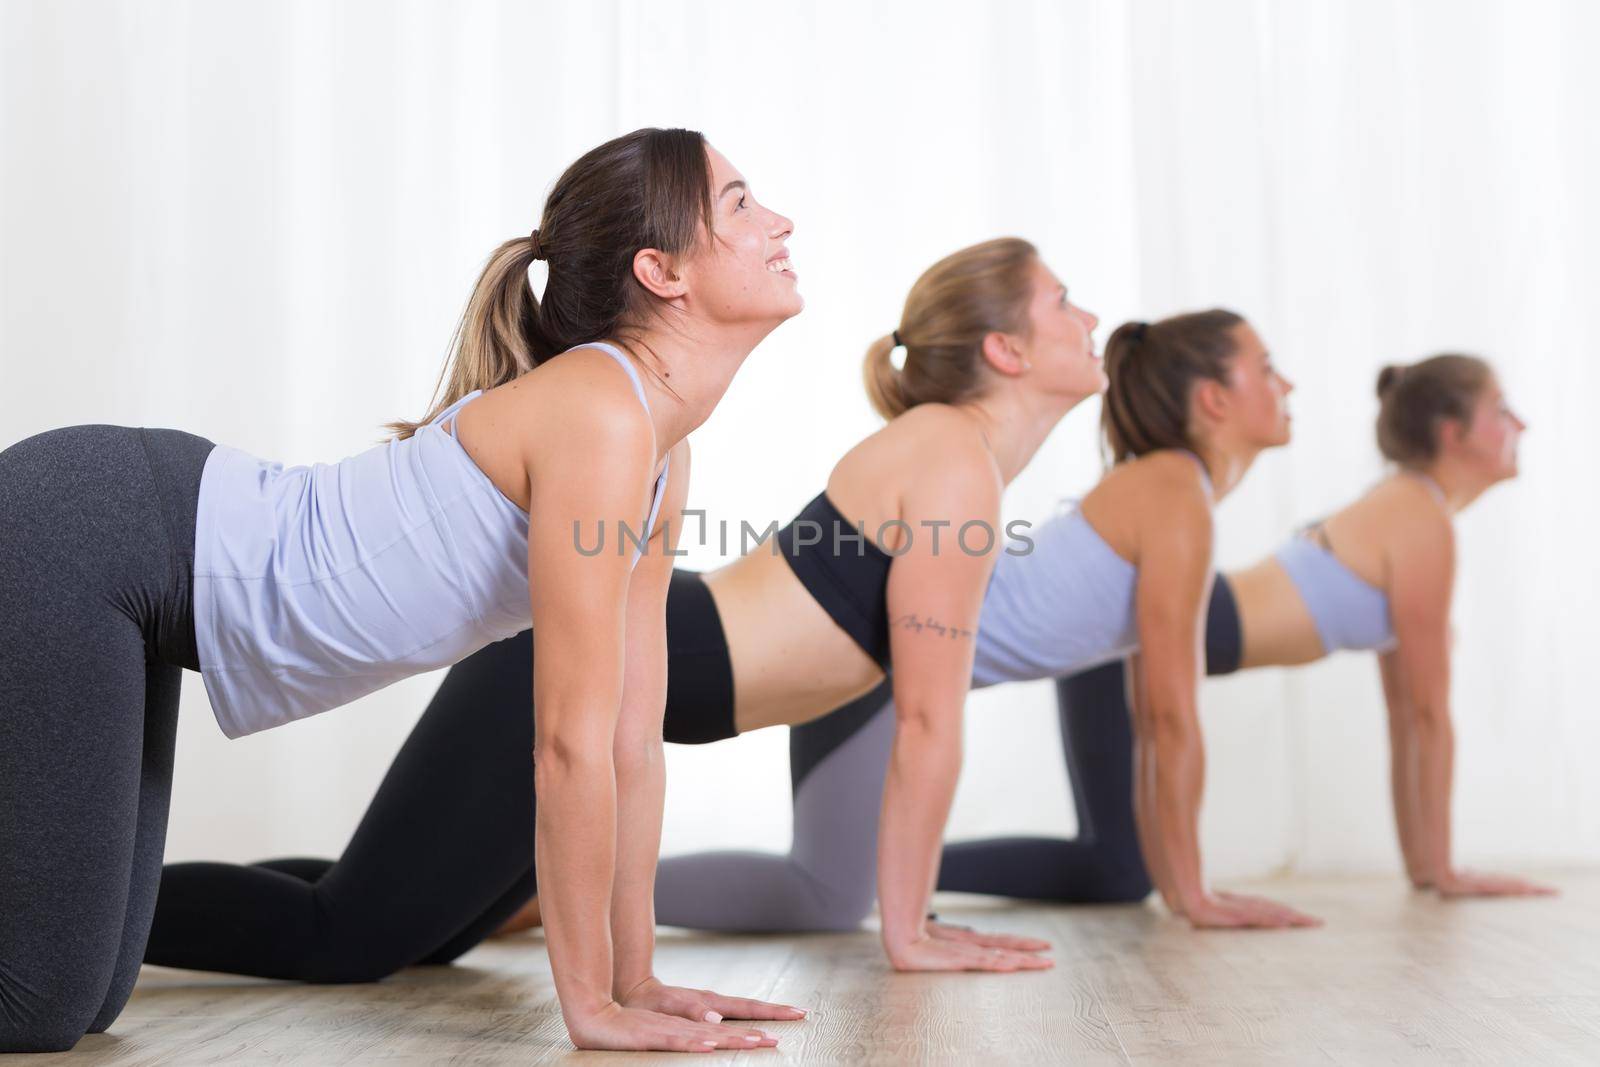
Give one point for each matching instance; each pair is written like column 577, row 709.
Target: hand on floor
column 946, row 932
column 625, row 1029
column 702, row 1005
column 953, row 949
column 1223, row 911
column 1479, row 884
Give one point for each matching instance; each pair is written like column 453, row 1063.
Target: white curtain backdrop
column 259, row 221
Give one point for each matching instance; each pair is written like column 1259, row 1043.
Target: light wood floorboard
column 1393, row 978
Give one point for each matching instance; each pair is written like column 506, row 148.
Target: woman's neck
column 688, row 368
column 1454, row 486
column 1015, row 425
column 1226, row 465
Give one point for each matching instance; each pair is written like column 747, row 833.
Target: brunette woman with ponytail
column 127, row 555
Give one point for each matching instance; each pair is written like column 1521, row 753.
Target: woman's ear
column 1451, row 433
column 1212, row 400
column 658, row 272
column 1000, row 351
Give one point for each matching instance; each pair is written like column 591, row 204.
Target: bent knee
column 352, row 968
column 836, row 909
column 50, row 1024
column 1128, row 885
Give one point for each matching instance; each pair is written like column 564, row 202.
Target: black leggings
column 96, row 625
column 442, row 857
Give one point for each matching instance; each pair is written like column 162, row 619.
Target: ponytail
column 885, row 386
column 647, row 189
column 1152, row 367
column 498, row 338
column 953, row 306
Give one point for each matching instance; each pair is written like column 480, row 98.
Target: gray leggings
column 828, row 879
column 96, row 573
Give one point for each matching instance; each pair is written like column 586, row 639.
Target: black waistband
column 1224, row 635
column 844, row 570
column 699, row 672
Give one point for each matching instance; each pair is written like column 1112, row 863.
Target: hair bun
column 1388, row 378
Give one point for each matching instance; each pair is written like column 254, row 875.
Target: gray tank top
column 317, row 585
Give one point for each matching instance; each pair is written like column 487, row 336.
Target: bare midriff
column 791, row 662
column 1278, row 629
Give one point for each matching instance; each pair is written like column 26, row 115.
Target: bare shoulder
column 1162, row 484
column 580, row 402
column 1152, row 502
column 1406, row 517
column 931, row 449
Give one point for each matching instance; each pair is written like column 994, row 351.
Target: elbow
column 1429, row 721
column 925, row 722
column 1171, row 725
column 638, row 756
column 559, row 760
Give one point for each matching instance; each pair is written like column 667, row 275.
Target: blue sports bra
column 1350, row 613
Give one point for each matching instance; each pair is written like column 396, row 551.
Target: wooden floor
column 1393, row 978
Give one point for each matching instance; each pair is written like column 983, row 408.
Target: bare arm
column 581, row 622
column 1417, row 685
column 935, row 595
column 637, row 747
column 1143, row 785
column 1173, row 584
column 1403, row 772
column 641, row 790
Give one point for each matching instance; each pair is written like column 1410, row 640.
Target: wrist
column 626, row 987
column 897, row 935
column 576, row 1014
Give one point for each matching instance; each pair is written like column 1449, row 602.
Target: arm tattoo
column 917, row 624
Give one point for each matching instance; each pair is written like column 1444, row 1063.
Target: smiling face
column 1060, row 339
column 743, row 274
column 1488, row 441
column 1258, row 410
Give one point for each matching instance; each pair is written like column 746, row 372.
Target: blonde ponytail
column 954, row 304
column 885, row 387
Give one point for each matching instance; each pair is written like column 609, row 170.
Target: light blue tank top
column 1349, row 612
column 316, row 585
column 1064, row 607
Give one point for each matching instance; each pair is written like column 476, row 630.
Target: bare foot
column 526, row 918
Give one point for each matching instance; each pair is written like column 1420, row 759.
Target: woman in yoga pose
column 995, row 355
column 127, row 555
